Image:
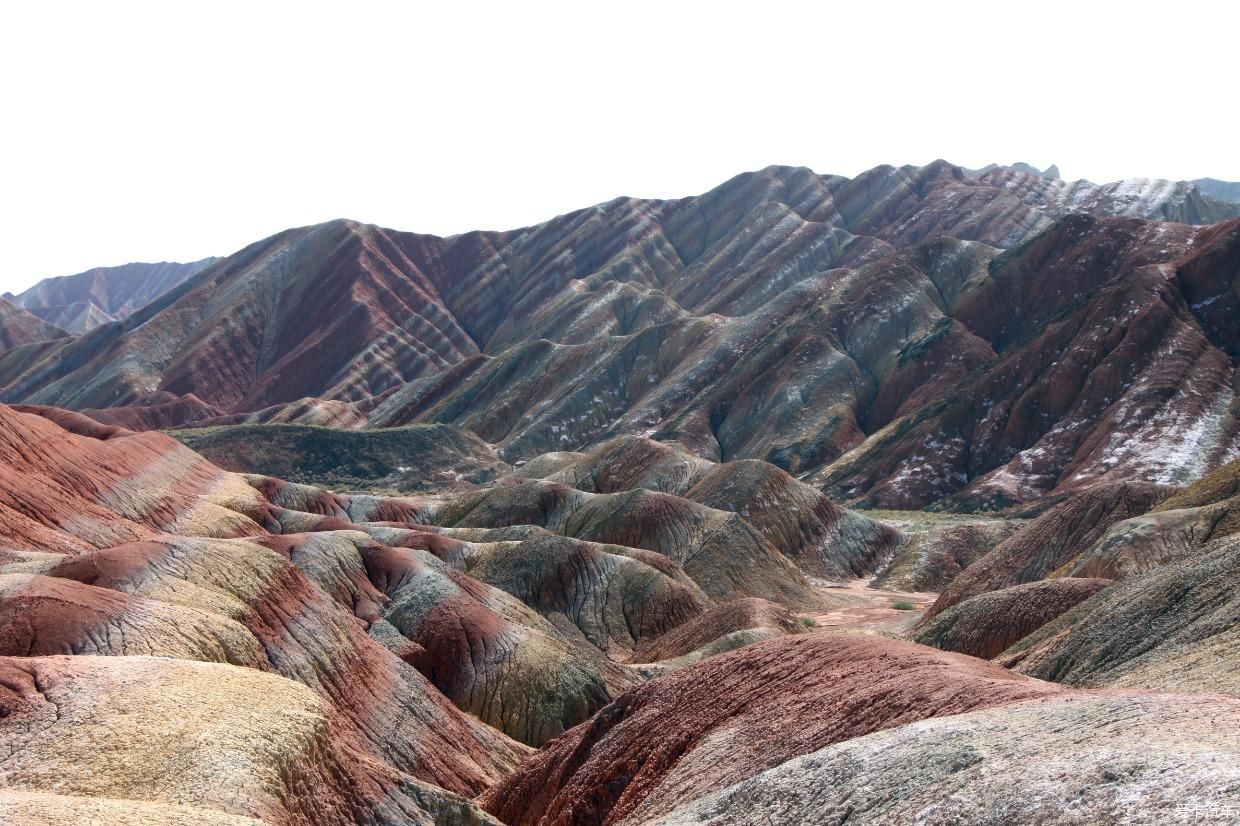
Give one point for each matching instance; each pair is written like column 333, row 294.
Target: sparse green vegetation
column 927, row 518
column 903, row 605
column 809, row 622
column 397, row 460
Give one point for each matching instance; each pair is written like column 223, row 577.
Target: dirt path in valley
column 867, row 610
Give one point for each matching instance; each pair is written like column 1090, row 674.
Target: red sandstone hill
column 254, row 648
column 124, row 546
column 891, row 335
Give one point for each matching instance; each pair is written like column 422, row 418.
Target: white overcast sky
column 172, row 131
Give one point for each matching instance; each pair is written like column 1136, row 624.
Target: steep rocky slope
column 828, row 729
column 1215, row 487
column 45, row 615
column 986, row 624
column 254, row 329
column 740, row 322
column 1167, row 624
column 73, row 485
column 1109, row 376
column 1173, row 628
column 1051, row 541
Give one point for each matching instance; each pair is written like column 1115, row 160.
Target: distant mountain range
column 1051, row 172
column 1223, row 190
column 81, row 302
column 20, row 327
column 910, row 336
